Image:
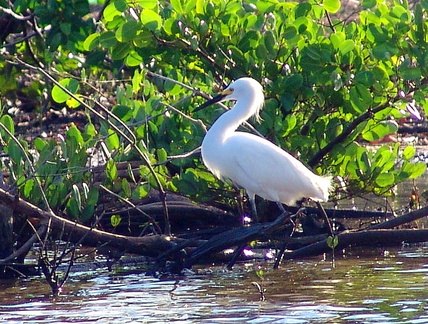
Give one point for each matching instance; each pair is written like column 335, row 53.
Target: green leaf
column 346, row 46
column 74, row 132
column 15, row 152
column 410, row 73
column 59, row 95
column 140, row 191
column 90, row 130
column 115, row 220
column 112, row 140
column 409, row 152
column 128, row 31
column 151, row 20
column 28, row 187
column 7, row 122
column 91, row 42
column 414, row 170
column 368, row 4
column 133, row 59
column 65, row 28
column 126, row 187
column 162, row 155
column 303, row 9
column 39, row 144
column 332, row 6
column 148, row 4
column 361, row 98
column 270, row 41
column 385, row 180
column 365, row 78
column 379, row 130
column 111, row 170
column 332, row 241
column 108, row 39
column 114, row 9
column 176, row 5
column 121, row 50
column 190, row 6
column 123, row 112
column 314, row 52
column 290, row 32
column 293, row 82
column 73, row 208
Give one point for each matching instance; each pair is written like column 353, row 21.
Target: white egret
column 252, row 162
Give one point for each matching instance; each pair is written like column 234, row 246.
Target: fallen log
column 401, row 220
column 385, row 237
column 149, row 245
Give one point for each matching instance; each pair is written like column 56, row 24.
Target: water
column 376, row 286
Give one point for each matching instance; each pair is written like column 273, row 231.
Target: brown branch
column 150, row 245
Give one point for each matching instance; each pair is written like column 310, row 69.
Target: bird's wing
column 265, row 169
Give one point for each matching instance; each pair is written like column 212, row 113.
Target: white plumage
column 252, row 162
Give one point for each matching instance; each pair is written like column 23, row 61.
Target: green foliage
column 330, row 85
column 332, row 241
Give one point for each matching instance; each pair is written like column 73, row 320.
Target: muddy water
column 379, row 286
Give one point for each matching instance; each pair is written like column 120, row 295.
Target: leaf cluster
column 331, row 84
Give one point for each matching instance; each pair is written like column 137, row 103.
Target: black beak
column 211, row 102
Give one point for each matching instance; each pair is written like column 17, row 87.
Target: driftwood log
column 200, row 246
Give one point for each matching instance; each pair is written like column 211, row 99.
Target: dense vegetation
column 136, row 70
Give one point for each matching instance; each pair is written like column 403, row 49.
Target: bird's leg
column 281, row 208
column 254, row 209
column 327, row 221
column 283, row 212
column 283, row 245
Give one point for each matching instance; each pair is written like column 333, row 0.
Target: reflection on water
column 378, row 287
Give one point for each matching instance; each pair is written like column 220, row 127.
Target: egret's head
column 245, row 89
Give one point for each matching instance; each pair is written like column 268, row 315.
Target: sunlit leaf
column 346, row 46
column 151, row 20
column 91, row 42
column 59, row 95
column 177, row 6
column 385, row 180
column 74, row 132
column 115, row 220
column 147, row 4
column 111, row 170
column 332, row 6
column 7, row 122
column 112, row 140
column 409, row 152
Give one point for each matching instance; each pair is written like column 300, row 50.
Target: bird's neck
column 227, row 123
